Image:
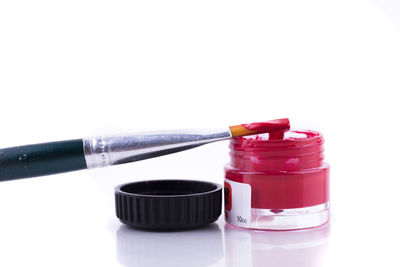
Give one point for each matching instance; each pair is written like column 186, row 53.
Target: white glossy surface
column 81, row 68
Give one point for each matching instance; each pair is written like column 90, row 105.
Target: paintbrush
column 63, row 156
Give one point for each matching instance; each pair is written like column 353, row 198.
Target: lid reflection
column 197, row 247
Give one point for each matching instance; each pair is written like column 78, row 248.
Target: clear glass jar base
column 290, row 219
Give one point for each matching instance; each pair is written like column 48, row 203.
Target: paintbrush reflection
column 199, row 247
column 303, row 248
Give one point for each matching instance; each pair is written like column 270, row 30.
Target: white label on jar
column 237, row 203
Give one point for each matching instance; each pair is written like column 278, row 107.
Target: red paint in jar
column 280, row 182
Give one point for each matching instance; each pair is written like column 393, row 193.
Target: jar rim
column 258, row 141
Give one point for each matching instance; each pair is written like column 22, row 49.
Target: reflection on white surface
column 198, row 247
column 302, row 248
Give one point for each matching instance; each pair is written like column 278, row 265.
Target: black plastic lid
column 168, row 204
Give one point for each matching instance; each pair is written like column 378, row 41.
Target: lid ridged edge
column 183, row 211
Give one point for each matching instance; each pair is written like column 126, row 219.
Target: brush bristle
column 273, row 126
column 240, row 130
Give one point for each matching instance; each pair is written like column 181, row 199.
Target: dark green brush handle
column 41, row 159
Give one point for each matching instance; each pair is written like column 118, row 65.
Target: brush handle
column 63, row 156
column 41, row 159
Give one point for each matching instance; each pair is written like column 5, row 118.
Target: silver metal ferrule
column 112, row 150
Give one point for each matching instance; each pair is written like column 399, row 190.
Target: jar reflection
column 301, row 248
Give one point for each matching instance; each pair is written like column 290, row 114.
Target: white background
column 70, row 69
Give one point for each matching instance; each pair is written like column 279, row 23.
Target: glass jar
column 277, row 184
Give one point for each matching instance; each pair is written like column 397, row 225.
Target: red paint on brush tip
column 275, row 128
column 269, row 126
column 278, row 135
